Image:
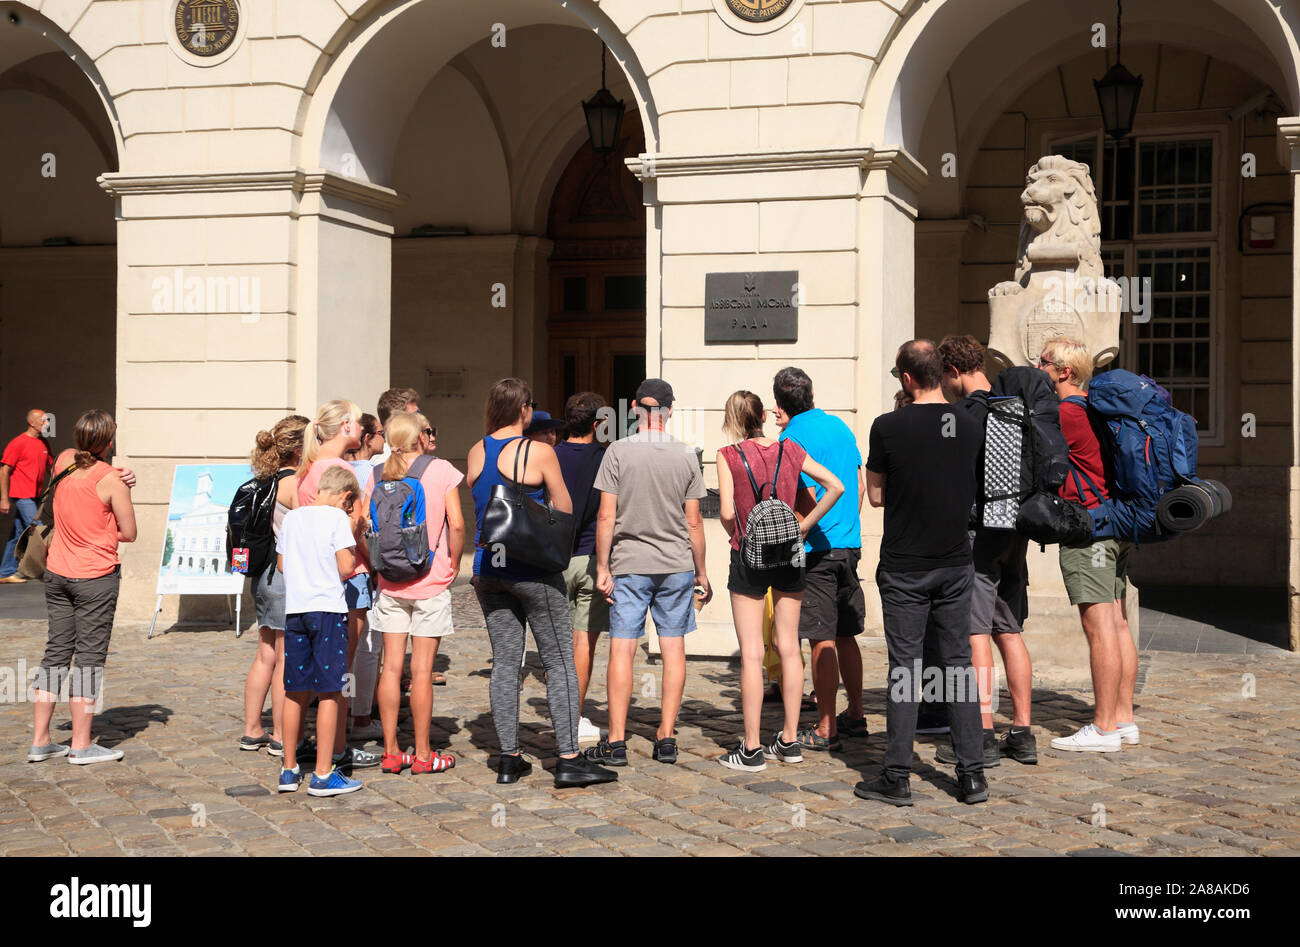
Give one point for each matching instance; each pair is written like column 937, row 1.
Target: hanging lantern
column 604, row 115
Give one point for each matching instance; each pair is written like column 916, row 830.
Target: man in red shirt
column 1094, row 571
column 23, row 467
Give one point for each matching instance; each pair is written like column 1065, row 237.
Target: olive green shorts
column 588, row 607
column 1094, row 571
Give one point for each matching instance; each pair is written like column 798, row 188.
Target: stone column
column 1289, row 155
column 775, row 211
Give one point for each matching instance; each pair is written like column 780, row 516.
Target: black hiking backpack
column 1026, row 459
column 249, row 522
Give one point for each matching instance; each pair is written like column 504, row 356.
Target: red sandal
column 434, row 764
column 394, row 763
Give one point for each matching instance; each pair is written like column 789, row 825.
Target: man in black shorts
column 921, row 469
column 833, row 606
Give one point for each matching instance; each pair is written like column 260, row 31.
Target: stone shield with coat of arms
column 758, row 11
column 206, row 27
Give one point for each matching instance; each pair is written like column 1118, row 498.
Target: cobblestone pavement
column 1217, row 772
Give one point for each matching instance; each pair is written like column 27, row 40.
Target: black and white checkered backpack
column 772, row 536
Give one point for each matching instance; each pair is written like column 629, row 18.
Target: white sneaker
column 1089, row 740
column 93, row 754
column 587, row 731
column 1128, row 732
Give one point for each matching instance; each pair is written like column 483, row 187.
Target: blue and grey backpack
column 1151, row 447
column 399, row 535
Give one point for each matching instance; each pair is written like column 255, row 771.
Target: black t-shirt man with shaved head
column 921, row 469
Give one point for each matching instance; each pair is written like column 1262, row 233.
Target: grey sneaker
column 360, row 759
column 93, row 754
column 47, row 752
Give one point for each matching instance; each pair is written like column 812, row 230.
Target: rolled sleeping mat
column 1224, row 495
column 1186, row 508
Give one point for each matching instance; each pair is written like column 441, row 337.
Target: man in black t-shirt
column 921, row 469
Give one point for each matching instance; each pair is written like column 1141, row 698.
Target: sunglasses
column 430, row 432
column 894, row 371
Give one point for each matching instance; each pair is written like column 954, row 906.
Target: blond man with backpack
column 758, row 484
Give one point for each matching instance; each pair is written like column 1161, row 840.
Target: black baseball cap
column 655, row 388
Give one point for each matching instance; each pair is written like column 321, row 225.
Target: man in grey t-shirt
column 649, row 556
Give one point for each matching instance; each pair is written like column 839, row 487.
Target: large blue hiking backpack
column 399, row 535
column 1151, row 447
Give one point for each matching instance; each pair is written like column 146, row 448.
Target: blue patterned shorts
column 315, row 652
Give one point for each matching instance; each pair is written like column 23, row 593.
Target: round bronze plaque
column 759, row 11
column 207, row 27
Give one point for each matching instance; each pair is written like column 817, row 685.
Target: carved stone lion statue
column 1061, row 209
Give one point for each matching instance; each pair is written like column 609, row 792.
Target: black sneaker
column 884, row 789
column 992, row 752
column 254, row 743
column 932, row 720
column 275, row 748
column 665, row 750
column 780, row 751
column 581, row 771
column 747, row 761
column 359, row 759
column 512, row 768
column 854, row 727
column 607, row 754
column 974, row 788
column 1020, row 746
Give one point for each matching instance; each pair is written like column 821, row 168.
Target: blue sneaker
column 335, row 784
column 290, row 780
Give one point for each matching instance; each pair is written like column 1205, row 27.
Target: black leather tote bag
column 533, row 533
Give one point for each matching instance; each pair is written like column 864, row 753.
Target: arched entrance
column 58, row 280
column 596, row 323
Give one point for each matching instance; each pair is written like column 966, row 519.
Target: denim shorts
column 357, row 591
column 268, row 599
column 315, row 652
column 670, row 597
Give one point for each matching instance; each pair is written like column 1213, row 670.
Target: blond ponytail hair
column 402, row 432
column 329, row 421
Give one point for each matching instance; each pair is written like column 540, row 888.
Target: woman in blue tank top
column 511, row 594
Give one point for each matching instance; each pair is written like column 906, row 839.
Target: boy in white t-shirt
column 316, row 555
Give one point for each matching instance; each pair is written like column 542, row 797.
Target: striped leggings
column 544, row 605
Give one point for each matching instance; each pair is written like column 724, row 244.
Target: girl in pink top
column 92, row 514
column 743, row 423
column 421, row 607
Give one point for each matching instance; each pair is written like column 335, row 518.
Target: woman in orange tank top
column 92, row 514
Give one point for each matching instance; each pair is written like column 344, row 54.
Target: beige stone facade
column 875, row 146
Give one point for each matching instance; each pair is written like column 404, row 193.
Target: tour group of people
column 335, row 631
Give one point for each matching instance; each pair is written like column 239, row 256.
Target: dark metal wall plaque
column 206, row 27
column 758, row 11
column 751, row 307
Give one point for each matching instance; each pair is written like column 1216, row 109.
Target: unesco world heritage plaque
column 759, row 11
column 207, row 27
column 751, row 307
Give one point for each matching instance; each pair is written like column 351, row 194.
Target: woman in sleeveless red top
column 92, row 514
column 743, row 422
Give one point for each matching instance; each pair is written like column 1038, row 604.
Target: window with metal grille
column 1156, row 200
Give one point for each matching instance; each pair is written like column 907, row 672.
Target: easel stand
column 239, row 606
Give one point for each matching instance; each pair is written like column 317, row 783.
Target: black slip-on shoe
column 974, row 788
column 511, row 769
column 581, row 771
column 884, row 789
column 254, row 743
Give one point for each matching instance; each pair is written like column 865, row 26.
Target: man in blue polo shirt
column 833, row 607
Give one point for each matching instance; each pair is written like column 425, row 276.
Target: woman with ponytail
column 92, row 514
column 337, row 430
column 277, row 454
column 421, row 607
